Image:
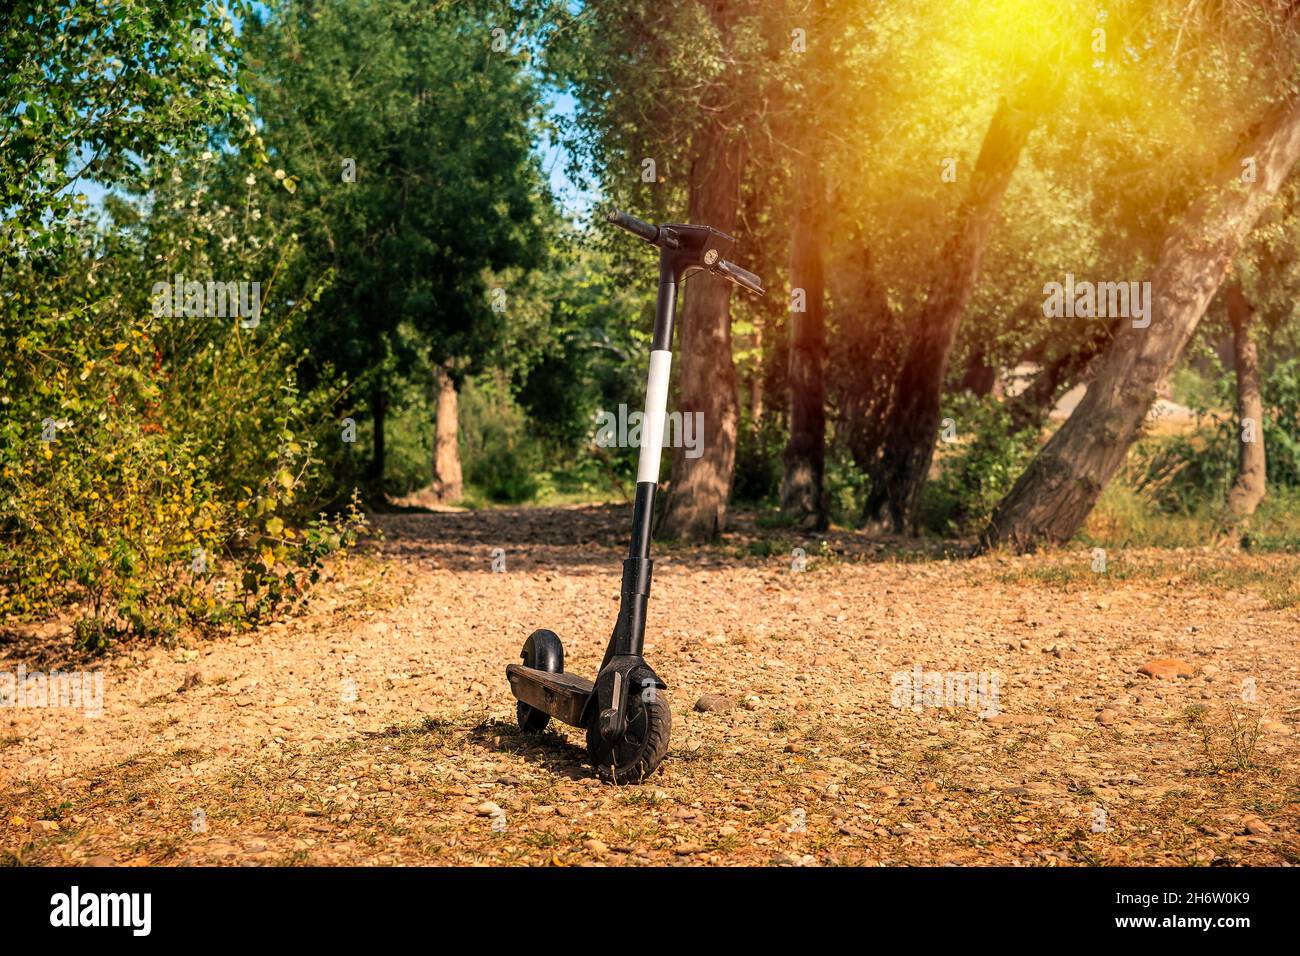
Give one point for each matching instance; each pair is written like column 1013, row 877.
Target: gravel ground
column 378, row 728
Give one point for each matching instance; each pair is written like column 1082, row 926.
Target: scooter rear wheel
column 544, row 651
column 642, row 747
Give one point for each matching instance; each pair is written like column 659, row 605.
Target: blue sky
column 573, row 200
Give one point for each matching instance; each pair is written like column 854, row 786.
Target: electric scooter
column 626, row 720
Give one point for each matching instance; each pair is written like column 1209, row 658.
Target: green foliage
column 1181, row 474
column 98, row 90
column 758, row 462
column 408, row 139
column 502, row 459
column 147, row 509
column 846, row 486
column 983, row 463
column 157, row 471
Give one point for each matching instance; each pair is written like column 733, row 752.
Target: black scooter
column 627, row 721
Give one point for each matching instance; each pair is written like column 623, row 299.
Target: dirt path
column 379, row 729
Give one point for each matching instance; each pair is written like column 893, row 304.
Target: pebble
column 1167, row 668
column 714, row 703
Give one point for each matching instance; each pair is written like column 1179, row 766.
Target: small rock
column 1167, row 668
column 714, row 703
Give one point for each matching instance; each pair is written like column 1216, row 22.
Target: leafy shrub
column 1180, row 474
column 758, row 462
column 155, row 472
column 978, row 469
column 501, row 458
column 149, row 487
column 846, row 486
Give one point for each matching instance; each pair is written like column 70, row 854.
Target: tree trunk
column 804, row 460
column 696, row 506
column 447, row 484
column 979, row 377
column 1053, row 497
column 378, row 413
column 1249, row 488
column 914, row 421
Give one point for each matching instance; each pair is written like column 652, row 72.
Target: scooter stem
column 629, row 633
column 682, row 249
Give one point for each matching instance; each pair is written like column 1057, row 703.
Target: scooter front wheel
column 642, row 747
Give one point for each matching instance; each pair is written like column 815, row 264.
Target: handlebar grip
column 634, row 225
column 742, row 277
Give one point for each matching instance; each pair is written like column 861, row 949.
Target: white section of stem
column 652, row 425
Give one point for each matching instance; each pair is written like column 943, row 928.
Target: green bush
column 501, row 459
column 846, row 486
column 758, row 462
column 148, row 486
column 1180, row 474
column 977, row 469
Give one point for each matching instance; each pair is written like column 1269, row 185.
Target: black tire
column 642, row 748
column 544, row 651
column 531, row 720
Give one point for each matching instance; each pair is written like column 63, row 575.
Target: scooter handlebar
column 742, row 277
column 634, row 225
column 668, row 238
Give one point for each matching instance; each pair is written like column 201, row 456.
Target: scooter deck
column 563, row 696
